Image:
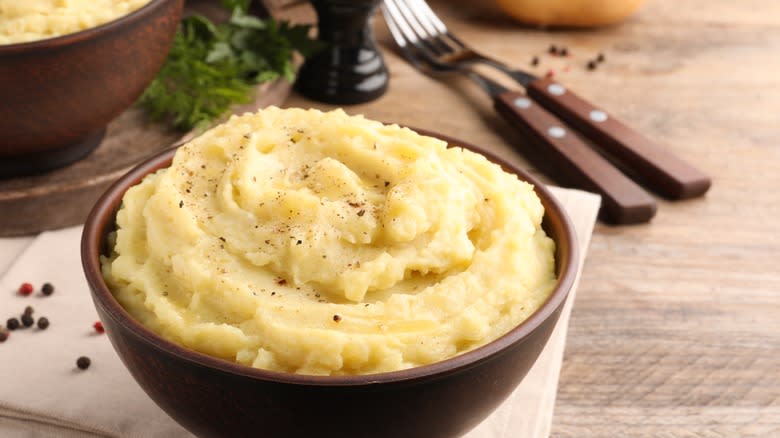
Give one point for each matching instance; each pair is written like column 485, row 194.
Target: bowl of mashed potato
column 300, row 273
column 67, row 68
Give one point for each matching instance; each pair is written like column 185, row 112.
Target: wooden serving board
column 64, row 197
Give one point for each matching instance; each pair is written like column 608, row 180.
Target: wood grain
column 676, row 327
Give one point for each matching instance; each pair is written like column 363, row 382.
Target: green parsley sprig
column 212, row 66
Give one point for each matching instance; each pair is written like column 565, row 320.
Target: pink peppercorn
column 26, row 289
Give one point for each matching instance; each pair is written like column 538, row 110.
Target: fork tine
column 428, row 27
column 415, row 23
column 422, row 13
column 409, row 18
column 422, row 49
column 395, row 30
column 434, row 21
column 403, row 35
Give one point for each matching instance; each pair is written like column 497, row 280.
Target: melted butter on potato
column 320, row 243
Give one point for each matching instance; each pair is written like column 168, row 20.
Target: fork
column 657, row 168
column 558, row 150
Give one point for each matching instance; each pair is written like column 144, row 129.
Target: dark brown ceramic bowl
column 215, row 398
column 57, row 95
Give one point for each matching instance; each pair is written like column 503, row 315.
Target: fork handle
column 662, row 171
column 562, row 151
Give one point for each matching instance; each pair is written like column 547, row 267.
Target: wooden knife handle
column 574, row 162
column 662, row 171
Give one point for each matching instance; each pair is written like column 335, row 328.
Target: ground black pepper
column 591, row 65
column 47, row 289
column 336, row 318
column 564, row 51
column 600, row 58
column 28, row 320
column 553, row 49
column 83, row 362
column 43, row 323
column 12, row 324
column 535, row 61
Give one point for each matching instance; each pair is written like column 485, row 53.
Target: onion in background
column 576, row 13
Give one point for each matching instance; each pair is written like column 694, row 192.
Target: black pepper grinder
column 350, row 69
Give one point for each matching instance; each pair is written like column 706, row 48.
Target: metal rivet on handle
column 522, row 102
column 556, row 89
column 598, row 116
column 556, row 132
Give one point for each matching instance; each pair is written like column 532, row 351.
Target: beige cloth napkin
column 43, row 394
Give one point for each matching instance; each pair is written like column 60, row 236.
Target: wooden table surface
column 676, row 328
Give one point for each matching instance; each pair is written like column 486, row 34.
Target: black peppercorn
column 553, row 50
column 600, row 58
column 3, row 334
column 534, row 62
column 27, row 320
column 12, row 324
column 591, row 65
column 564, row 51
column 43, row 323
column 29, row 310
column 47, row 289
column 83, row 362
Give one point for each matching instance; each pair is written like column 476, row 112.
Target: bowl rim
column 102, row 216
column 84, row 34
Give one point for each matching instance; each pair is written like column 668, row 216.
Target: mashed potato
column 23, row 21
column 320, row 243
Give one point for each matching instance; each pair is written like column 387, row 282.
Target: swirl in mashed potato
column 23, row 21
column 320, row 243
